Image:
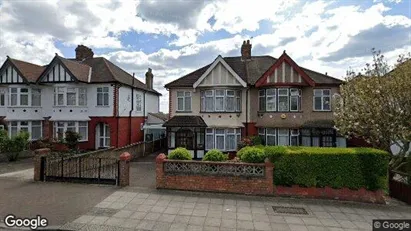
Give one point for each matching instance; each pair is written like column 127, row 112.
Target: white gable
column 220, row 74
column 57, row 73
column 10, row 75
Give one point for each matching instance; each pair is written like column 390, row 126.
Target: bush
column 273, row 153
column 249, row 141
column 14, row 145
column 215, row 155
column 251, row 155
column 72, row 139
column 334, row 167
column 180, row 154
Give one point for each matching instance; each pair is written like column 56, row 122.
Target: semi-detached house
column 90, row 95
column 233, row 97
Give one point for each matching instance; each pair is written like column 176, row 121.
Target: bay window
column 24, row 97
column 70, row 96
column 102, row 96
column 224, row 139
column 294, row 137
column 283, row 137
column 279, row 99
column 279, row 136
column 34, row 128
column 220, row 100
column 321, row 137
column 81, row 127
column 271, row 136
column 322, row 100
column 261, row 134
column 184, row 101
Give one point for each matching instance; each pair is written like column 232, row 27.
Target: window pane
column 294, row 103
column 105, row 89
column 317, row 103
column 270, row 140
column 230, row 106
column 24, row 100
column 306, row 141
column 187, row 93
column 326, row 103
column 270, row 131
column 13, row 90
column 238, row 103
column 24, row 123
column 294, row 141
column 219, row 103
column 60, row 99
column 220, row 142
column 230, row 142
column 261, row 93
column 35, row 123
column 35, row 132
column 106, row 102
column 99, row 99
column 261, row 131
column 82, row 124
column 187, row 103
column 317, row 92
column 230, row 93
column 283, row 140
column 2, row 100
column 326, row 92
column 219, row 131
column 24, row 90
column 83, row 133
column 282, row 103
column 261, row 106
column 71, row 98
column 13, row 131
column 13, row 99
column 316, row 142
column 209, row 101
column 180, row 93
column 82, row 101
column 209, row 142
column 283, row 132
column 180, row 104
column 270, row 103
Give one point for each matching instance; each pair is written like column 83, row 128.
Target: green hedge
column 215, row 155
column 180, row 154
column 334, row 167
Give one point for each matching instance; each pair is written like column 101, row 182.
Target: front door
column 102, row 136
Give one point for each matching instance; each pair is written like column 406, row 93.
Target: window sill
column 280, row 112
column 219, row 112
column 103, row 106
column 184, row 112
column 22, row 106
column 322, row 111
column 70, row 106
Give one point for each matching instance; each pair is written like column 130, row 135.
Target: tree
column 375, row 104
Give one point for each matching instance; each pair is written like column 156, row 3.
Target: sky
column 175, row 37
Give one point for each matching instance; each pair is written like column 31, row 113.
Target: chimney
column 83, row 53
column 246, row 50
column 149, row 79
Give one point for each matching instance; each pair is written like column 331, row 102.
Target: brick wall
column 215, row 183
column 252, row 129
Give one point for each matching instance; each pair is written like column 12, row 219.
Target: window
column 103, row 134
column 221, row 100
column 138, row 102
column 183, row 101
column 223, row 139
column 70, row 96
column 36, row 97
column 271, row 136
column 2, row 99
column 283, row 99
column 102, row 96
column 185, row 138
column 295, row 99
column 34, row 128
column 322, row 100
column 294, row 138
column 61, row 127
column 261, row 96
column 261, row 134
column 279, row 99
column 24, row 97
column 270, row 100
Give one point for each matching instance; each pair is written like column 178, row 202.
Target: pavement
column 134, row 208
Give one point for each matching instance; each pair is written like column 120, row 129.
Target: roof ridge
column 18, row 60
column 108, row 67
column 71, row 61
column 105, row 60
column 189, row 73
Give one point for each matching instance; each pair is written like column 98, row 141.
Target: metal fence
column 81, row 169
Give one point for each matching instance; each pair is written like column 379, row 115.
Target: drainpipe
column 246, row 111
column 132, row 108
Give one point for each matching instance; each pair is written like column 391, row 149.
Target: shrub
column 72, row 139
column 251, row 155
column 273, row 153
column 334, row 167
column 249, row 141
column 14, row 145
column 215, row 155
column 180, row 154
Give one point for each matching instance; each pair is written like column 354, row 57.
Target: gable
column 9, row 74
column 285, row 73
column 219, row 76
column 56, row 72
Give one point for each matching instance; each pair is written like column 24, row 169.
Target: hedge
column 353, row 168
column 180, row 154
column 215, row 155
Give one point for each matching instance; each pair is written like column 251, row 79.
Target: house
column 232, row 97
column 153, row 128
column 90, row 95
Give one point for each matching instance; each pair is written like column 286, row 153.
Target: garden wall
column 231, row 177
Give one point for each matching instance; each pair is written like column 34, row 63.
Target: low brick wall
column 361, row 195
column 232, row 177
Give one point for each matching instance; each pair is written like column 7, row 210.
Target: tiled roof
column 160, row 115
column 80, row 71
column 250, row 71
column 29, row 71
column 185, row 121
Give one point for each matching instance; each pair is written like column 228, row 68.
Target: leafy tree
column 72, row 139
column 375, row 104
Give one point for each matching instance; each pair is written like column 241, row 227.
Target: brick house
column 90, row 95
column 232, row 97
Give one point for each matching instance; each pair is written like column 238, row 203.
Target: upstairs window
column 184, row 101
column 102, row 96
column 24, row 97
column 2, row 99
column 279, row 99
column 220, row 100
column 70, row 96
column 322, row 100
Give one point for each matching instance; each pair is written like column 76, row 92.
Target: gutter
column 131, row 110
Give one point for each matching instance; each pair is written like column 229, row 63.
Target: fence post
column 124, row 169
column 39, row 163
column 269, row 175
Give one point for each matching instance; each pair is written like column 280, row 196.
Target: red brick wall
column 252, row 129
column 231, row 184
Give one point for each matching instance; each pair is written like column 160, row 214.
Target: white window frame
column 261, row 95
column 283, row 95
column 220, row 97
column 274, row 134
column 283, row 135
column 102, row 91
column 261, row 134
column 219, row 135
column 18, row 95
column 233, row 96
column 322, row 96
column 29, row 127
column 139, row 102
column 207, row 95
column 65, row 126
column 63, row 91
column 294, row 133
column 2, row 99
column 212, row 134
column 274, row 94
column 209, row 136
column 298, row 96
column 183, row 96
column 35, row 92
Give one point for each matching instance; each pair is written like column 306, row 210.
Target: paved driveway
column 143, row 172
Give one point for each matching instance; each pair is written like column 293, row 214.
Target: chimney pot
column 248, row 41
column 83, row 53
column 149, row 79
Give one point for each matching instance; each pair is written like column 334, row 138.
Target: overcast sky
column 175, row 37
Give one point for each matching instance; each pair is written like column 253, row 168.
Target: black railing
column 81, row 169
